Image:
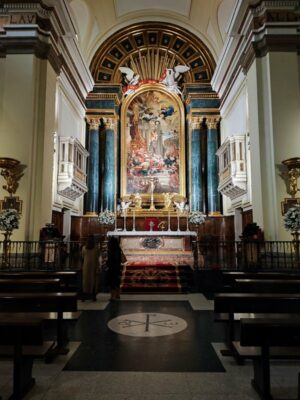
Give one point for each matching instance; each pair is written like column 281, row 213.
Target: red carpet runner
column 156, row 279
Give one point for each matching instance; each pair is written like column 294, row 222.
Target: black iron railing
column 242, row 255
column 49, row 255
column 224, row 255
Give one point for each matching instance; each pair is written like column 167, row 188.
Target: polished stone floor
column 183, row 365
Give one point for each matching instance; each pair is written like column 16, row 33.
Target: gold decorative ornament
column 293, row 166
column 12, row 171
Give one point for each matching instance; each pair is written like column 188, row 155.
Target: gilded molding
column 110, row 122
column 140, row 47
column 212, row 121
column 93, row 122
column 105, row 96
column 196, row 121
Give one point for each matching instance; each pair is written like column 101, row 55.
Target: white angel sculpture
column 125, row 205
column 131, row 80
column 180, row 205
column 170, row 78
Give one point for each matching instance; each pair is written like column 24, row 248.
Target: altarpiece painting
column 153, row 147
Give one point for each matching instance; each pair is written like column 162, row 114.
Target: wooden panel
column 247, row 218
column 58, row 220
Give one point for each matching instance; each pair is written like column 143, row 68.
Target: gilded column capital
column 110, row 122
column 93, row 122
column 212, row 121
column 196, row 121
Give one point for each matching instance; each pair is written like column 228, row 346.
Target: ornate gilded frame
column 176, row 100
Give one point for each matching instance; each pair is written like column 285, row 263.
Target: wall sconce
column 12, row 171
column 292, row 175
column 293, row 166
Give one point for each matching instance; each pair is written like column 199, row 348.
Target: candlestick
column 169, row 227
column 124, row 229
column 178, row 222
column 133, row 221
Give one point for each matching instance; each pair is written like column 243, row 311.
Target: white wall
column 26, row 130
column 274, row 120
column 70, row 115
column 234, row 121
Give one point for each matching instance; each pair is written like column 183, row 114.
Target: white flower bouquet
column 106, row 217
column 9, row 220
column 197, row 217
column 292, row 219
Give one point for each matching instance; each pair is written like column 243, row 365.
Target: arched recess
column 148, row 48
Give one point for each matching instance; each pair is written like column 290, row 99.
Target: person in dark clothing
column 90, row 255
column 114, row 259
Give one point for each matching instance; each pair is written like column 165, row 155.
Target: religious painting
column 153, row 156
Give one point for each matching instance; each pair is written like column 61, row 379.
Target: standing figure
column 90, row 255
column 114, row 259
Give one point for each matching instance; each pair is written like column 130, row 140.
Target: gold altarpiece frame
column 152, row 145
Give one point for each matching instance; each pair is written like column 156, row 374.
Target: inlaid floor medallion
column 147, row 324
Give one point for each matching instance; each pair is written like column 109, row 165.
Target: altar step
column 156, row 279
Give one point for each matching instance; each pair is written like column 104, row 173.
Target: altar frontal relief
column 152, row 143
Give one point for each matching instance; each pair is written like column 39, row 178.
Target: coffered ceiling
column 97, row 20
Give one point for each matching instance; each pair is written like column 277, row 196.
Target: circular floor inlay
column 147, row 324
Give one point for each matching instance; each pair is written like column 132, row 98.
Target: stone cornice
column 105, row 96
column 45, row 28
column 256, row 28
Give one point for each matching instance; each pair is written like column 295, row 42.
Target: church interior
column 158, row 127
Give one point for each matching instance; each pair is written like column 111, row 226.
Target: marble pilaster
column 109, row 184
column 92, row 199
column 213, row 198
column 196, row 179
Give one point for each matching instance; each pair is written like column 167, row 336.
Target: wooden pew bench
column 29, row 285
column 234, row 306
column 58, row 303
column 22, row 339
column 68, row 278
column 230, row 276
column 272, row 339
column 267, row 286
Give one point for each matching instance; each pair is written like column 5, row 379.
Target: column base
column 215, row 214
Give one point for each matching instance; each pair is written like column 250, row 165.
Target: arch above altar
column 154, row 142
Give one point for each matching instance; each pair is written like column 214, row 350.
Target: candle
column 169, row 220
column 133, row 220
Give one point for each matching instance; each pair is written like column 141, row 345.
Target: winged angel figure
column 180, row 206
column 171, row 76
column 125, row 205
column 12, row 177
column 130, row 80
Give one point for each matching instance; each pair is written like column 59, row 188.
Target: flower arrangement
column 9, row 220
column 106, row 217
column 292, row 219
column 197, row 217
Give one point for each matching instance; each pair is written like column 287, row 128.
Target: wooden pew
column 267, row 286
column 67, row 278
column 230, row 276
column 267, row 333
column 40, row 303
column 22, row 339
column 264, row 304
column 29, row 285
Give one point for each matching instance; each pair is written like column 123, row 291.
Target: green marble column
column 195, row 157
column 213, row 197
column 92, row 199
column 109, row 185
